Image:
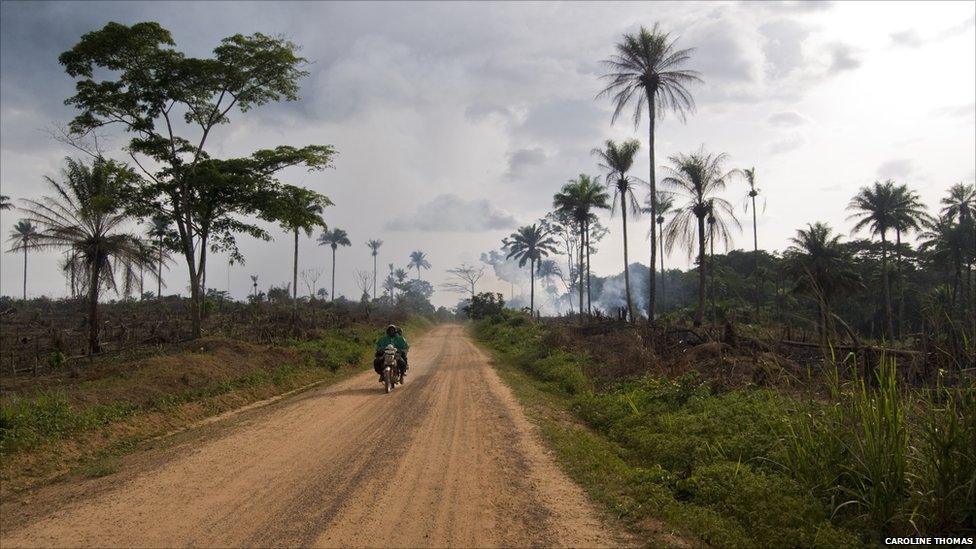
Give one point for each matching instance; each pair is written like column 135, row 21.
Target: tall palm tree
column 530, row 243
column 909, row 216
column 83, row 218
column 874, row 210
column 400, row 276
column 943, row 241
column 577, row 199
column 158, row 230
column 334, row 239
column 665, row 204
column 617, row 160
column 24, row 236
column 374, row 250
column 960, row 204
column 254, row 284
column 298, row 209
column 750, row 175
column 418, row 260
column 546, row 270
column 696, row 178
column 647, row 72
column 821, row 268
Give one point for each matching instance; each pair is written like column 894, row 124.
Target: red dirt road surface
column 448, row 459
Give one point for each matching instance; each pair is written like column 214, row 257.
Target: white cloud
column 786, row 119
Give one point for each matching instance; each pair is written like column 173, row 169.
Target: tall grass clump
column 889, row 460
column 944, row 459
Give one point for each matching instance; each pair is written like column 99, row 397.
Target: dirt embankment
column 446, row 460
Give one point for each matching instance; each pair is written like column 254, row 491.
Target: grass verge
column 749, row 466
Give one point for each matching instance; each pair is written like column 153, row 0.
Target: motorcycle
column 391, row 370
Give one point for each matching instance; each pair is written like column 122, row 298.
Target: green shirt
column 397, row 341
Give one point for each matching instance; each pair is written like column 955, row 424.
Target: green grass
column 33, row 423
column 750, row 466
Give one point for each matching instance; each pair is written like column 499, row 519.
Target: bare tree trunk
column 700, row 313
column 333, row 273
column 889, row 320
column 159, row 273
column 901, row 284
column 532, row 287
column 93, row 346
column 374, row 276
column 589, row 296
column 755, row 254
column 25, row 272
column 660, row 236
column 711, row 272
column 579, row 274
column 294, row 278
column 652, row 301
column 623, row 211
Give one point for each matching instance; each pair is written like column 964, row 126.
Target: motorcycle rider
column 393, row 336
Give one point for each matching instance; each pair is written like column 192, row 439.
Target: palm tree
column 374, row 250
column 646, row 72
column 617, row 161
column 299, row 209
column 158, row 230
column 943, row 241
column 665, row 204
column 874, row 209
column 961, row 205
column 24, row 236
column 334, row 238
column 909, row 215
column 418, row 260
column 530, row 243
column 400, row 276
column 546, row 270
column 821, row 268
column 83, row 218
column 577, row 199
column 5, row 203
column 254, row 284
column 696, row 177
column 750, row 175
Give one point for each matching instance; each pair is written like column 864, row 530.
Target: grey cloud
column 562, row 119
column 784, row 45
column 791, row 6
column 895, row 168
column 787, row 144
column 449, row 212
column 786, row 119
column 842, row 58
column 519, row 160
column 481, row 110
column 908, row 38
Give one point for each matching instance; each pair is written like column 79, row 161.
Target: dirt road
column 446, row 460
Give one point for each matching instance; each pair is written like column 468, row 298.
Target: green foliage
column 28, row 422
column 484, row 305
column 752, row 467
column 891, row 461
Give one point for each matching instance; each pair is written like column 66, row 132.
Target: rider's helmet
column 391, row 330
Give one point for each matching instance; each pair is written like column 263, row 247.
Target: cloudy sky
column 456, row 122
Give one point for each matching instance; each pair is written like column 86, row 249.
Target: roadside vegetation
column 750, row 464
column 57, row 424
